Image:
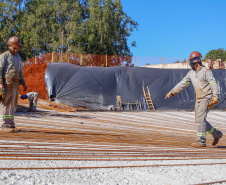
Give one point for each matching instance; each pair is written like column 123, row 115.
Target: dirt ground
column 34, row 78
column 44, row 105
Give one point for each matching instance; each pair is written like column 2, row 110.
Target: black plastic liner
column 97, row 87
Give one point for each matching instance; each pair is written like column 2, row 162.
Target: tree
column 11, row 13
column 7, row 14
column 215, row 53
column 107, row 28
column 88, row 26
column 50, row 26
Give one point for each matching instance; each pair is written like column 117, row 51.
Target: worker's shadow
column 221, row 146
column 23, row 111
column 52, row 132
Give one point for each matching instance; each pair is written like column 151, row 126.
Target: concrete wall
column 175, row 65
column 170, row 66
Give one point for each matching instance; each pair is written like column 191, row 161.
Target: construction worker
column 207, row 92
column 11, row 76
column 210, row 63
column 218, row 62
column 33, row 99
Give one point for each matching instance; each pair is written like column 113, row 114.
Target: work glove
column 213, row 101
column 2, row 95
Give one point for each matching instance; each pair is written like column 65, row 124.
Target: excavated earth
column 58, row 145
column 34, row 76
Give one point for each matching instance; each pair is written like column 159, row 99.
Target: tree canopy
column 214, row 53
column 76, row 26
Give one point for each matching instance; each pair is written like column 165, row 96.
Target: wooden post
column 62, row 46
column 106, row 60
column 81, row 60
column 35, row 59
column 67, row 58
column 52, row 56
column 135, row 61
column 162, row 63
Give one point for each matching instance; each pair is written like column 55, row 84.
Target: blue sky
column 172, row 29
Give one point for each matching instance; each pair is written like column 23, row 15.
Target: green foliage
column 73, row 26
column 214, row 53
column 6, row 23
column 107, row 28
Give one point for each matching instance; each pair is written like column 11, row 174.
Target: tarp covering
column 97, row 87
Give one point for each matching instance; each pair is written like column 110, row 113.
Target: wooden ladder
column 148, row 99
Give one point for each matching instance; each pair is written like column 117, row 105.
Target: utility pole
column 162, row 63
column 81, row 60
column 62, row 45
column 35, row 59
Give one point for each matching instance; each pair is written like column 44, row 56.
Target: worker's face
column 194, row 63
column 14, row 49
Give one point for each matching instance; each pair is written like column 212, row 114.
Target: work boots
column 197, row 145
column 9, row 130
column 216, row 140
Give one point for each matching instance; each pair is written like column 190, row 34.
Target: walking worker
column 33, row 99
column 11, row 76
column 207, row 92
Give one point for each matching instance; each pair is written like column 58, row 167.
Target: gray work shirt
column 31, row 95
column 11, row 67
column 203, row 81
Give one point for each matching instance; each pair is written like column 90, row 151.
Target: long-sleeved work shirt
column 11, row 67
column 31, row 95
column 203, row 81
